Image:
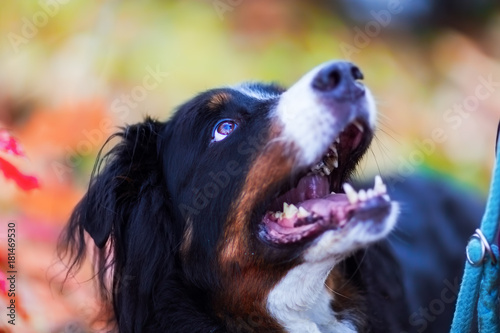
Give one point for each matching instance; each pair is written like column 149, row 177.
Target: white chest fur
column 301, row 303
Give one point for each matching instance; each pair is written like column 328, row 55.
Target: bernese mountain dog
column 237, row 215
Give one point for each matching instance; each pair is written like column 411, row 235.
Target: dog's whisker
column 337, row 293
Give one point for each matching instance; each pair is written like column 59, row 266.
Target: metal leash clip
column 485, row 248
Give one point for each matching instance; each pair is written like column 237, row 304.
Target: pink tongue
column 324, row 206
column 314, row 186
column 309, row 187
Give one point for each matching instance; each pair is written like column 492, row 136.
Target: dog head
column 235, row 210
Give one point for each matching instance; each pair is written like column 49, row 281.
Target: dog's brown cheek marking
column 247, row 279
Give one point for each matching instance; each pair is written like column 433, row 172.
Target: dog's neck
column 302, row 301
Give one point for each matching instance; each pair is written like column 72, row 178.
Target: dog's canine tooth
column 326, row 170
column 330, row 162
column 358, row 126
column 352, row 195
column 386, row 197
column 362, row 195
column 379, row 187
column 303, row 212
column 289, row 210
column 336, row 163
column 337, row 140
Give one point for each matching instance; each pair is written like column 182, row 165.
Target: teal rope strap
column 487, row 307
column 481, row 275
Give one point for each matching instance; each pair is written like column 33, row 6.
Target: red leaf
column 3, row 281
column 25, row 182
column 9, row 144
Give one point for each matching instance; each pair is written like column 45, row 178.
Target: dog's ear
column 127, row 169
column 125, row 210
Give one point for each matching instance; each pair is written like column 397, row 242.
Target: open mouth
column 321, row 200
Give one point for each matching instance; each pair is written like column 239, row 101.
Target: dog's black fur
column 162, row 273
column 133, row 212
column 428, row 247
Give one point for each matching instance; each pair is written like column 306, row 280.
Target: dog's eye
column 223, row 129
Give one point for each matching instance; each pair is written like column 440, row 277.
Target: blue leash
column 480, row 284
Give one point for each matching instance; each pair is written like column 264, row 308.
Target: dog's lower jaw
column 301, row 301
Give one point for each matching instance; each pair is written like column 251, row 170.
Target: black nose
column 339, row 79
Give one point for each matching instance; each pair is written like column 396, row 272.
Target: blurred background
column 72, row 71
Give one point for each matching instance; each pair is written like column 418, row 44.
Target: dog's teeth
column 302, row 213
column 352, row 195
column 330, row 162
column 337, row 140
column 326, row 171
column 359, row 126
column 386, row 197
column 334, row 150
column 289, row 210
column 318, row 167
column 278, row 215
column 370, row 193
column 362, row 195
column 383, row 189
column 379, row 187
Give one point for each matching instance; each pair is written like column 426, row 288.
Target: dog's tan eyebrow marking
column 218, row 99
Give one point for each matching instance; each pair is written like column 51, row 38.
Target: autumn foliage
column 9, row 145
